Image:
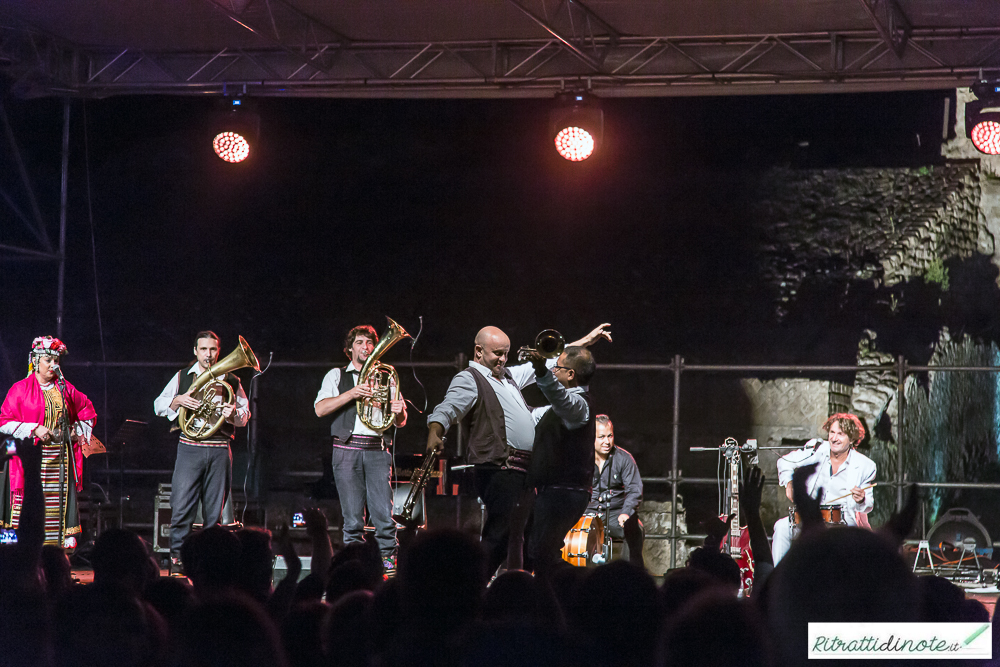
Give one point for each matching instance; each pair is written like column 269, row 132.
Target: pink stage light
column 574, row 144
column 986, row 137
column 231, row 147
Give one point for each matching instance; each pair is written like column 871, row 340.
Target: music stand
column 128, row 433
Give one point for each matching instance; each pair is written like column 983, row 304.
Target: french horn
column 205, row 421
column 374, row 411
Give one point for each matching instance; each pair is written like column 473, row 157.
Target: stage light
column 577, row 125
column 231, row 147
column 234, row 130
column 982, row 117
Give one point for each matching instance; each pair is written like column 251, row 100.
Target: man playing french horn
column 203, row 470
column 362, row 460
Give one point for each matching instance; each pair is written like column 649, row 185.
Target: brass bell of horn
column 198, row 424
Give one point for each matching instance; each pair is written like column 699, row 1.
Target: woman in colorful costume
column 59, row 418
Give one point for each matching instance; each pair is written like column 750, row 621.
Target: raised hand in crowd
column 900, row 524
column 284, row 593
column 715, row 530
column 751, row 492
column 806, row 505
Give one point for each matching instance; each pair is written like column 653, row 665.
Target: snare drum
column 832, row 514
column 583, row 541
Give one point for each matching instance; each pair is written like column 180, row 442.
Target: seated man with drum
column 617, row 490
column 843, row 475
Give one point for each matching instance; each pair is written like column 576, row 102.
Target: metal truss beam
column 890, row 22
column 615, row 65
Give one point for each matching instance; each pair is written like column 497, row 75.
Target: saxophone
column 374, row 410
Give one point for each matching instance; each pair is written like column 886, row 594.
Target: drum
column 583, row 540
column 832, row 514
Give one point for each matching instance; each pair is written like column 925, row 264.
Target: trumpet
column 549, row 343
column 418, row 480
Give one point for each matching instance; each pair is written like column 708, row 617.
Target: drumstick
column 863, row 488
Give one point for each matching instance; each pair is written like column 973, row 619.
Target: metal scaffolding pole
column 900, row 430
column 63, row 202
column 678, row 363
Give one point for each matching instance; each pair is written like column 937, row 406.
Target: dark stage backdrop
column 456, row 211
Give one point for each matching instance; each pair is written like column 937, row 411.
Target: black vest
column 485, row 424
column 344, row 419
column 563, row 456
column 184, row 382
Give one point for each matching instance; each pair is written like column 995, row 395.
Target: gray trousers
column 200, row 473
column 362, row 478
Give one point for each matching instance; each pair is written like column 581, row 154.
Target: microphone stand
column 66, row 442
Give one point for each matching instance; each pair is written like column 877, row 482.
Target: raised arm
column 602, row 331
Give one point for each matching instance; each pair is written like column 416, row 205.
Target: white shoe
column 69, row 543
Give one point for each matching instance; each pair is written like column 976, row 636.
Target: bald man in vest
column 487, row 398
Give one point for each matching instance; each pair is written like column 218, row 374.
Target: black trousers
column 633, row 534
column 556, row 511
column 499, row 490
column 200, row 473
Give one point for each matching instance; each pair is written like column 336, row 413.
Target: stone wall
column 786, row 412
column 885, row 225
column 656, row 519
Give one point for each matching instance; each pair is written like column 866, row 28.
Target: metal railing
column 901, row 369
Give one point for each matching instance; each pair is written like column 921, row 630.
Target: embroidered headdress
column 45, row 345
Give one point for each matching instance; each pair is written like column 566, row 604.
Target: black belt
column 517, row 459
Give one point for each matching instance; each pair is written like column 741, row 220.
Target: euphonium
column 417, row 482
column 549, row 343
column 197, row 424
column 374, row 410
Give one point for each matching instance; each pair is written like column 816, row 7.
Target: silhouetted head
column 229, row 630
column 837, row 575
column 256, row 562
column 121, row 558
column 442, row 577
column 738, row 634
column 107, row 626
column 718, row 565
column 211, row 559
column 617, row 606
column 347, row 634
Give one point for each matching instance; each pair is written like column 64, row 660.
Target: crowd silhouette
column 442, row 608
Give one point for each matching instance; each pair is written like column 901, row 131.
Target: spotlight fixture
column 234, row 130
column 577, row 125
column 982, row 117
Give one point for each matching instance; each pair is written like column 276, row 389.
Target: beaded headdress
column 45, row 345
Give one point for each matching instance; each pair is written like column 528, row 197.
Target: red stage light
column 986, row 137
column 231, row 147
column 574, row 143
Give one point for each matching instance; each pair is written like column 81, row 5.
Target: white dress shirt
column 856, row 471
column 331, row 388
column 161, row 405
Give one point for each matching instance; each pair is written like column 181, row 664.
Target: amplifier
column 162, row 512
column 281, row 569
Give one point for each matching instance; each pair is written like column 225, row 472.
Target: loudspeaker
column 162, row 514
